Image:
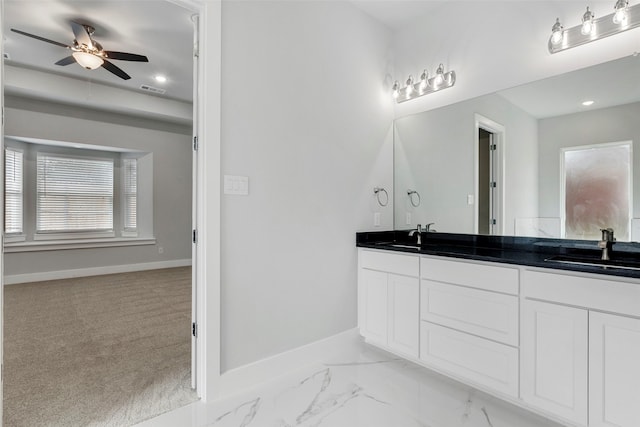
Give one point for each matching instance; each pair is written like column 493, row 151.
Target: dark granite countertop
column 527, row 251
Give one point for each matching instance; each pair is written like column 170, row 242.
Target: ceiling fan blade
column 125, row 56
column 81, row 34
column 40, row 38
column 115, row 70
column 66, row 61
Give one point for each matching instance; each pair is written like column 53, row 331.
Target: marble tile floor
column 374, row 389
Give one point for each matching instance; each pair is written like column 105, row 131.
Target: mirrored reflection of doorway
column 489, row 173
column 485, row 178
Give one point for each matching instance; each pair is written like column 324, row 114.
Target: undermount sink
column 627, row 265
column 399, row 245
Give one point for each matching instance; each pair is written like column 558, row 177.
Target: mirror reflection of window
column 597, row 190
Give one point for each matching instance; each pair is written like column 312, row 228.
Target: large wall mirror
column 554, row 158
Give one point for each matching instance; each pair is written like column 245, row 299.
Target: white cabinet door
column 554, row 359
column 373, row 303
column 404, row 314
column 614, row 371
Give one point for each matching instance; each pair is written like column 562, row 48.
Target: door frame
column 498, row 131
column 206, row 196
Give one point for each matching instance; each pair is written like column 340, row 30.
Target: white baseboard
column 92, row 271
column 239, row 379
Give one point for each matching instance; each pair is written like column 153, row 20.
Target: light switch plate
column 236, row 185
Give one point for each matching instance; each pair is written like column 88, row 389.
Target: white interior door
column 1, row 214
column 194, row 209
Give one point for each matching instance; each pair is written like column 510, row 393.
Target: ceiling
column 397, row 14
column 608, row 84
column 163, row 31
column 158, row 29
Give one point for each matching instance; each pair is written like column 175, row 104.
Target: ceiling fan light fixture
column 88, row 60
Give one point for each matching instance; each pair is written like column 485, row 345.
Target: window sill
column 56, row 245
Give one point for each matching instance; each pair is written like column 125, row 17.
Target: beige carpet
column 97, row 351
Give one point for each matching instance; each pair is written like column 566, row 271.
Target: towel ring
column 410, row 193
column 377, row 192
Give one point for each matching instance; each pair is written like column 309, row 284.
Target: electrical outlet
column 160, row 250
column 376, row 219
column 407, row 218
column 470, row 199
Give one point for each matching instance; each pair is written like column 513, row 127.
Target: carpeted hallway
column 107, row 350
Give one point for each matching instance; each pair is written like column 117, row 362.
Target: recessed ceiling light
column 160, row 78
column 587, row 103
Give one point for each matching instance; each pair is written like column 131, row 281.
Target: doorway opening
column 489, row 172
column 189, row 154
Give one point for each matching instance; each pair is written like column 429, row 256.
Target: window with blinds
column 130, row 194
column 13, row 191
column 73, row 193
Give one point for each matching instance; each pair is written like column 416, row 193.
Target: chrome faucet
column 606, row 244
column 419, row 231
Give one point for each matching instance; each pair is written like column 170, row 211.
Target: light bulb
column 423, row 81
column 587, row 22
column 396, row 89
column 621, row 12
column 556, row 32
column 409, row 85
column 439, row 76
column 88, row 60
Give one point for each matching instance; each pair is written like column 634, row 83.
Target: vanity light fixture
column 623, row 18
column 426, row 85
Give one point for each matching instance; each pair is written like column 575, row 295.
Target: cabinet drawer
column 487, row 314
column 488, row 277
column 621, row 297
column 407, row 265
column 468, row 357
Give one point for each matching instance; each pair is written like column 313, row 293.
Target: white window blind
column 73, row 194
column 13, row 200
column 130, row 190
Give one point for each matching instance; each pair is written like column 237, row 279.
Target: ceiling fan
column 89, row 53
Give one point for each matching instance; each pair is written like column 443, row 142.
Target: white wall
column 171, row 147
column 306, row 116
